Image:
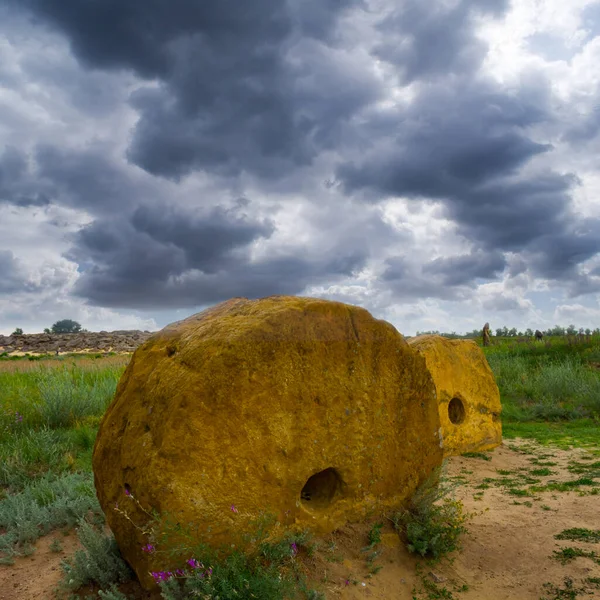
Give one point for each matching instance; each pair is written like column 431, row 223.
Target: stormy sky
column 435, row 162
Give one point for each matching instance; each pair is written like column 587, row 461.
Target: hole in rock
column 456, row 411
column 320, row 489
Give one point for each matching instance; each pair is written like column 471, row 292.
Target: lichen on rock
column 308, row 410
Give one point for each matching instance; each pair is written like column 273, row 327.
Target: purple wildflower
column 128, row 493
column 195, row 564
column 233, row 508
column 18, row 417
column 161, row 575
column 180, row 573
column 294, row 548
column 149, row 548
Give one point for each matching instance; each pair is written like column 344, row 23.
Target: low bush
column 434, row 521
column 99, row 562
column 46, row 504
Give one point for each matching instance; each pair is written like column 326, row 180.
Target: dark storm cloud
column 16, row 185
column 558, row 256
column 233, row 92
column 425, row 39
column 464, row 145
column 88, row 179
column 451, row 137
column 12, row 278
column 466, row 268
column 408, row 281
column 207, row 241
column 162, row 258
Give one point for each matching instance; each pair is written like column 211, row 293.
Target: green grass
column 542, row 472
column 565, row 555
column 565, row 486
column 547, row 382
column 55, row 398
column 28, row 454
column 568, row 592
column 480, row 455
column 579, row 534
column 580, row 433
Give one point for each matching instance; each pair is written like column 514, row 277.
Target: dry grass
column 83, row 362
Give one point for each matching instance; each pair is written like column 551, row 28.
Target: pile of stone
column 102, row 341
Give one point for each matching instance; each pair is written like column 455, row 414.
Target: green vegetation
column 49, row 418
column 66, row 326
column 99, row 562
column 55, row 398
column 434, row 521
column 578, row 534
column 546, row 383
column 565, row 555
column 568, row 592
column 481, row 455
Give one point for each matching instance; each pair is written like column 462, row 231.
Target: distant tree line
column 506, row 332
column 64, row 326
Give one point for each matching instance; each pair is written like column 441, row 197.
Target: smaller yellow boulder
column 467, row 394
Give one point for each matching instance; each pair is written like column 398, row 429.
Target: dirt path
column 35, row 577
column 507, row 554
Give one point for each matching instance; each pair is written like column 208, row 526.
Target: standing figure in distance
column 486, row 334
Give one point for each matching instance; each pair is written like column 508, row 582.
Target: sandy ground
column 507, row 554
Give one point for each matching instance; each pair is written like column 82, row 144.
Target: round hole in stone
column 320, row 489
column 456, row 411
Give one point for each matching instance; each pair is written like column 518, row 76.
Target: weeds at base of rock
column 99, row 562
column 434, row 522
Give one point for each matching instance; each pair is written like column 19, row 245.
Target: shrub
column 48, row 503
column 99, row 562
column 112, row 594
column 68, row 395
column 434, row 521
column 17, row 331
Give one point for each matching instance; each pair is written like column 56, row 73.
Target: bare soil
column 507, row 554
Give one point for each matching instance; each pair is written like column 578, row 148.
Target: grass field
column 50, row 410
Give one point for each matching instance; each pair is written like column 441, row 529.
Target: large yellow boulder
column 467, row 395
column 308, row 410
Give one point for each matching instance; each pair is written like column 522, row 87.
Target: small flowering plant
column 10, row 421
column 266, row 570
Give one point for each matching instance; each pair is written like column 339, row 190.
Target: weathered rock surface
column 308, row 410
column 103, row 341
column 467, row 395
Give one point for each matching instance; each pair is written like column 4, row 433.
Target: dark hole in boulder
column 320, row 489
column 456, row 411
